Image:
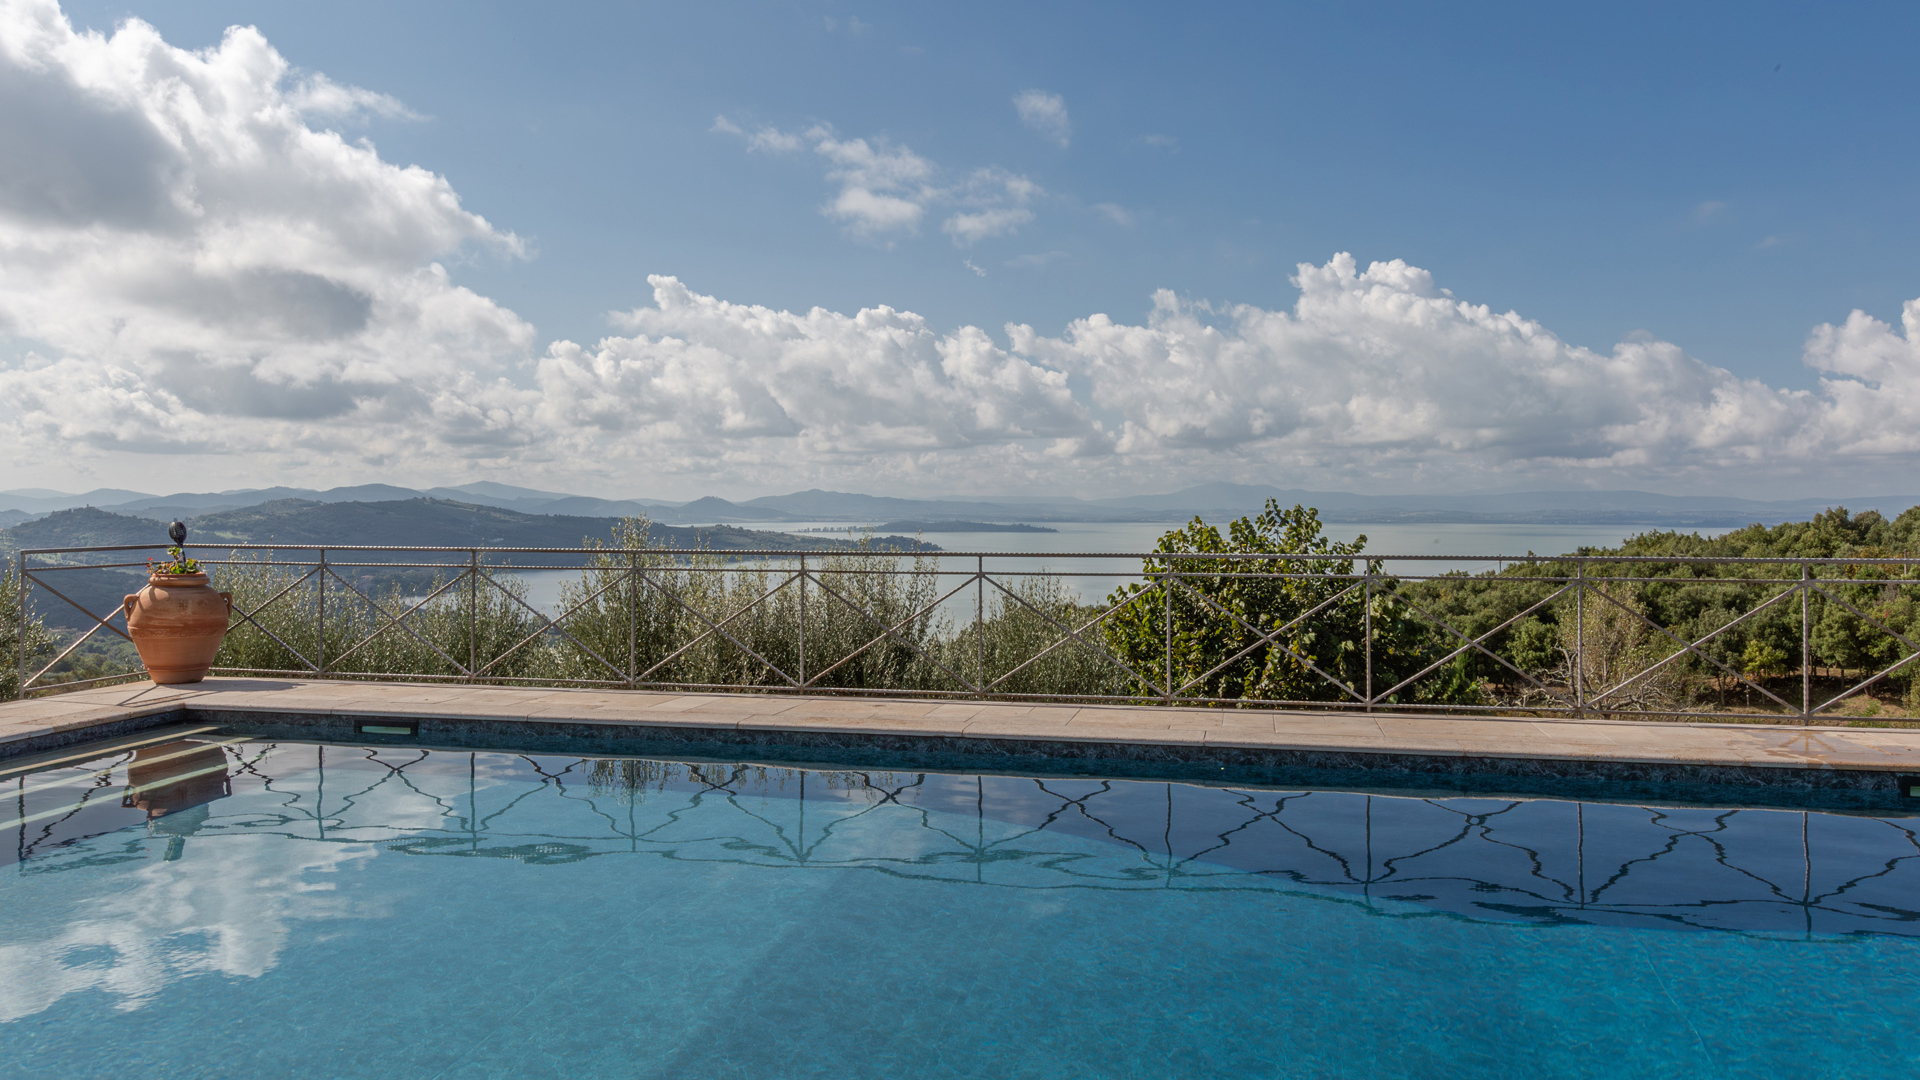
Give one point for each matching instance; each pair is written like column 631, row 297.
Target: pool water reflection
column 250, row 908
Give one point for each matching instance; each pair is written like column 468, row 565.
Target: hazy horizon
column 945, row 496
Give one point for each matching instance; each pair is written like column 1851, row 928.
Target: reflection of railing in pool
column 1535, row 861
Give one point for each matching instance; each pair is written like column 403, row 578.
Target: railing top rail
column 1132, row 555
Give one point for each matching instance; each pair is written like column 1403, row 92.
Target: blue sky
column 1725, row 178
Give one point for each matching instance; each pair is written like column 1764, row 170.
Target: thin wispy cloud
column 1045, row 113
column 887, row 190
column 319, row 96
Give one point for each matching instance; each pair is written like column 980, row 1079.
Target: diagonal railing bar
column 249, row 617
column 553, row 624
column 396, row 620
column 714, row 627
column 1072, row 635
column 392, row 619
column 1316, row 668
column 77, row 606
column 292, row 585
column 1884, row 672
column 27, row 683
column 1265, row 637
column 1694, row 648
column 850, row 657
column 1876, row 623
column 875, row 620
column 1478, row 643
column 1869, row 681
column 718, row 627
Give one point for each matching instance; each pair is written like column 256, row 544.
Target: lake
column 1094, row 577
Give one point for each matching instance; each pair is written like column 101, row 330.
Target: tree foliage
column 36, row 638
column 1272, row 610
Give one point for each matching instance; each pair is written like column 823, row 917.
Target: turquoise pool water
column 222, row 907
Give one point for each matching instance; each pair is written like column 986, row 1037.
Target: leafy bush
column 707, row 621
column 38, row 640
column 1292, row 626
column 462, row 623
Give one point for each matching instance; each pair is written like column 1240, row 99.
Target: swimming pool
column 217, row 905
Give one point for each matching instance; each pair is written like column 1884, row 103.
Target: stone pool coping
column 1745, row 755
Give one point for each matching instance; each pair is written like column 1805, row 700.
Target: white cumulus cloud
column 1373, row 373
column 1380, row 368
column 701, row 380
column 200, row 269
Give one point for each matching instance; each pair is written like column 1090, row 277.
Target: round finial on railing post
column 178, row 532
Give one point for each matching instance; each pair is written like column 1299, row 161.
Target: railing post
column 1806, row 649
column 633, row 619
column 322, row 581
column 1367, row 632
column 980, row 623
column 801, row 632
column 473, row 612
column 1579, row 636
column 20, row 686
column 1166, row 592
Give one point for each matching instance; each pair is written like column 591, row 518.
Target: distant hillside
column 85, row 527
column 399, row 523
column 1214, row 501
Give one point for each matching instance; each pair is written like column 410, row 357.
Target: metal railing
column 1295, row 630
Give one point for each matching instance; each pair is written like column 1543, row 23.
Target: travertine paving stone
column 1879, row 750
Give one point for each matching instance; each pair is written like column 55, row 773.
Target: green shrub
column 38, row 641
column 1290, row 627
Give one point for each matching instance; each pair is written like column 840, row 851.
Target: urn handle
column 228, row 597
column 126, row 605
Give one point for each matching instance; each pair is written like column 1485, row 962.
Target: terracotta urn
column 177, row 623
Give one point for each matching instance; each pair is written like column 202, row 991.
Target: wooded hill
column 405, row 522
column 401, row 523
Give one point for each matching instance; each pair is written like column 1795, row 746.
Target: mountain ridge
column 396, row 523
column 1213, row 500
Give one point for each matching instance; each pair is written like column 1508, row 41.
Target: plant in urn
column 177, row 622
